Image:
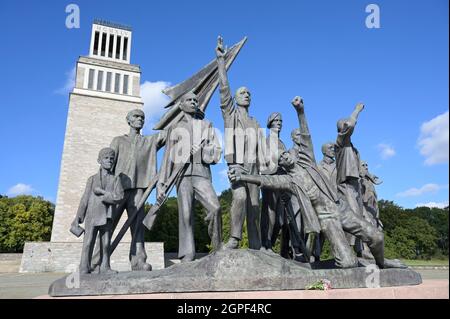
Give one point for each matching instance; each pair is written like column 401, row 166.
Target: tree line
column 419, row 233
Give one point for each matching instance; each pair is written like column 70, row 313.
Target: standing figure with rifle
column 192, row 146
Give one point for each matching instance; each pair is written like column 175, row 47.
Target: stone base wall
column 65, row 257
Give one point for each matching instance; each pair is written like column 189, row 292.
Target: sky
column 320, row 50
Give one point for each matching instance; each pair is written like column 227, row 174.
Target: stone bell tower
column 106, row 88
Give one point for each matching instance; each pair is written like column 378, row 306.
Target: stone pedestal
column 65, row 256
column 230, row 270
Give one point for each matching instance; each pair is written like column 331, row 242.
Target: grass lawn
column 432, row 262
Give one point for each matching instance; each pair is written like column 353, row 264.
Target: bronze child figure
column 103, row 191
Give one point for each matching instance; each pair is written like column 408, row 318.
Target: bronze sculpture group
column 307, row 202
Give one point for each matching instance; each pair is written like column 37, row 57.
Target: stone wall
column 65, row 257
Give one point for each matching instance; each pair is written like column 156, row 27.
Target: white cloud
column 433, row 140
column 386, row 150
column 69, row 84
column 433, row 204
column 154, row 100
column 427, row 188
column 20, row 189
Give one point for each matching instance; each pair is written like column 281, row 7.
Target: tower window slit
column 108, row 82
column 111, row 45
column 119, row 38
column 103, row 44
column 125, row 84
column 96, row 38
column 91, row 79
column 99, row 80
column 117, row 83
column 125, row 48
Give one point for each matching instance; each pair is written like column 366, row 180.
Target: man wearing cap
column 272, row 218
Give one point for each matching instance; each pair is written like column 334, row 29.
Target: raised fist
column 297, row 102
column 220, row 50
column 359, row 107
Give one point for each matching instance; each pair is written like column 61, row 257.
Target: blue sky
column 321, row 50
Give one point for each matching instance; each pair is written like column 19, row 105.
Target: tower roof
column 110, row 41
column 112, row 24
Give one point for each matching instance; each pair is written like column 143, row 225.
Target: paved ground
column 429, row 289
column 433, row 273
column 15, row 285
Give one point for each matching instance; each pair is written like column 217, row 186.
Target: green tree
column 438, row 219
column 225, row 199
column 407, row 233
column 165, row 228
column 416, row 233
column 398, row 244
column 24, row 218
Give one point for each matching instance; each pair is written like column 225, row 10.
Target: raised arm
column 358, row 108
column 297, row 102
column 346, row 127
column 225, row 93
column 308, row 148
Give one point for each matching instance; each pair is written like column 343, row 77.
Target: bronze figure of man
column 192, row 143
column 313, row 191
column 272, row 208
column 243, row 146
column 135, row 162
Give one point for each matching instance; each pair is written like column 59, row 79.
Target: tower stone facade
column 106, row 88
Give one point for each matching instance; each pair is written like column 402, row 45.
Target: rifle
column 131, row 219
column 167, row 188
column 294, row 232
